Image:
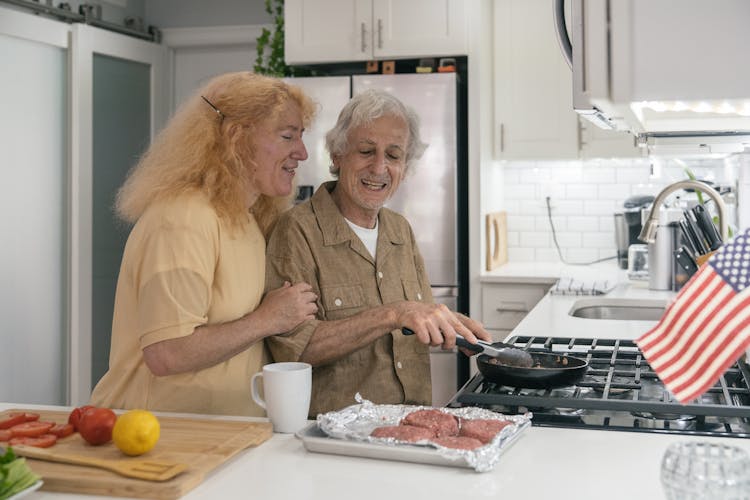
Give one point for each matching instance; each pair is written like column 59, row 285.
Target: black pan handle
column 460, row 341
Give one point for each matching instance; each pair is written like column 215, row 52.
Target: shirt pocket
column 342, row 301
column 412, row 290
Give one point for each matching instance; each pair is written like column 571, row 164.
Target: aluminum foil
column 357, row 422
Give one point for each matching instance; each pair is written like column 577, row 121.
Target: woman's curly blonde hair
column 202, row 149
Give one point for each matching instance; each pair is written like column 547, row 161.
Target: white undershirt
column 368, row 236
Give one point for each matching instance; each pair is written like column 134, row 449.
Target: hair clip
column 218, row 112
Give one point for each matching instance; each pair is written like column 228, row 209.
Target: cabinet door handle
column 512, row 307
column 501, row 136
column 380, row 33
column 363, row 30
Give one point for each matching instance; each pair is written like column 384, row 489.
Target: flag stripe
column 686, row 296
column 705, row 338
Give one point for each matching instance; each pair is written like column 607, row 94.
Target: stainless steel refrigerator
column 428, row 195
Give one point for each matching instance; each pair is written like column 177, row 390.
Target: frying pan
column 549, row 371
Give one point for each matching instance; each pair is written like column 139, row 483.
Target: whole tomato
column 75, row 415
column 95, row 425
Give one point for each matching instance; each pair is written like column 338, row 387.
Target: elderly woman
column 363, row 262
column 189, row 309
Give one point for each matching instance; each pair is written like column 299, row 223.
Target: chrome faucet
column 648, row 233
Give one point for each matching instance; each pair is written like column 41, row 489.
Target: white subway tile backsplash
column 535, row 239
column 583, row 223
column 541, row 222
column 569, row 238
column 521, row 254
column 599, row 239
column 547, row 255
column 581, row 255
column 520, row 222
column 599, row 175
column 598, row 207
column 521, row 192
column 566, row 207
column 534, row 206
column 632, row 175
column 617, row 192
column 581, row 191
column 584, row 196
column 512, row 239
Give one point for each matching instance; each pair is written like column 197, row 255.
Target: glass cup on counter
column 638, row 262
column 696, row 470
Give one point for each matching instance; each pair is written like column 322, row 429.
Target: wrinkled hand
column 288, row 306
column 436, row 325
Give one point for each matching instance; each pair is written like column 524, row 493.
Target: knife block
column 496, row 238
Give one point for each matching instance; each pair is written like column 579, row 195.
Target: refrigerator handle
column 363, row 30
column 444, row 291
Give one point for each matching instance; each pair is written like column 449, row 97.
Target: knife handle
column 695, row 232
column 707, row 226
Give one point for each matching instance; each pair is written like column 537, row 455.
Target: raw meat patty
column 408, row 433
column 442, row 424
column 458, row 442
column 482, row 429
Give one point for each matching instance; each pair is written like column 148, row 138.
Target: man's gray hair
column 363, row 109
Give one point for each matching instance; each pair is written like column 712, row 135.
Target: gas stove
column 619, row 392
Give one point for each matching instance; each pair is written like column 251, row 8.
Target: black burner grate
column 620, row 391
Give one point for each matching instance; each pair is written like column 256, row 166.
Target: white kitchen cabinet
column 504, row 305
column 321, row 31
column 534, row 115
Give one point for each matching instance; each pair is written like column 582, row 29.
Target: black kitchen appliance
column 619, row 392
column 628, row 225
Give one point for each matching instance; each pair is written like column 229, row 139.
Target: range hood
column 675, row 73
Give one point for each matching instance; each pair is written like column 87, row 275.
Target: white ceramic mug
column 287, row 388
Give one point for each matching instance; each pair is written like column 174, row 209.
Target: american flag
column 707, row 328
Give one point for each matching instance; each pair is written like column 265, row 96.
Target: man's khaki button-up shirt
column 313, row 243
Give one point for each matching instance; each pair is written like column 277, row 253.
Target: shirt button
column 380, row 274
column 419, row 296
column 338, row 302
column 399, row 365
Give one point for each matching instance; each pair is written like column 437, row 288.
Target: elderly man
column 363, row 262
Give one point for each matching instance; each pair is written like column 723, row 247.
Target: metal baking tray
column 315, row 440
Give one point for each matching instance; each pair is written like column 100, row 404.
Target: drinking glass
column 695, row 470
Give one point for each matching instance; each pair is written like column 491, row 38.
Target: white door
column 119, row 100
column 33, row 215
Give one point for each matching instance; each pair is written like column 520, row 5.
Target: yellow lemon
column 136, row 432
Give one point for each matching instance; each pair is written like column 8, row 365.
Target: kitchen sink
column 620, row 309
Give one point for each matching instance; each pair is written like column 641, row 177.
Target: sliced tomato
column 5, row 434
column 31, row 429
column 43, row 441
column 12, row 419
column 61, row 430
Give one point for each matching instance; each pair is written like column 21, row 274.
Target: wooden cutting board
column 201, row 443
column 496, row 238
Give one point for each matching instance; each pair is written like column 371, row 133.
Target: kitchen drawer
column 505, row 305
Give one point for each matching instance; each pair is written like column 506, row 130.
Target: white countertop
column 564, row 464
column 544, row 463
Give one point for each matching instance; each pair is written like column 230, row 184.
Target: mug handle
column 254, row 390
